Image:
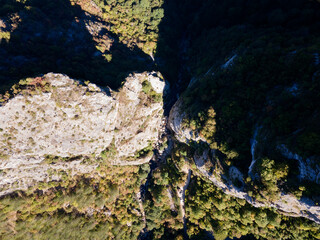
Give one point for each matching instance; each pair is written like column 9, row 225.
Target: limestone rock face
column 182, row 132
column 139, row 115
column 58, row 116
column 288, row 204
column 69, row 120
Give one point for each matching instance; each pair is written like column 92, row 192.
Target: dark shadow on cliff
column 276, row 42
column 53, row 36
column 172, row 46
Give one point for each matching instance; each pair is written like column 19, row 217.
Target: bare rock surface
column 176, row 121
column 68, row 120
column 59, row 116
column 287, row 204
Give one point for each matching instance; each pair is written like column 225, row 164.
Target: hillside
column 156, row 119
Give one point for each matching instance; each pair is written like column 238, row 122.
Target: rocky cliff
column 55, row 124
column 208, row 165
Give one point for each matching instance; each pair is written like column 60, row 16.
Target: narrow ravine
column 157, row 159
column 170, row 196
column 141, row 209
column 254, row 143
column 181, row 191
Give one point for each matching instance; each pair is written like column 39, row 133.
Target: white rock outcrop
column 69, row 120
column 66, row 118
column 287, row 203
column 176, row 122
column 308, row 167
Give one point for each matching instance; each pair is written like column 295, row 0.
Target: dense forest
column 273, row 75
column 247, row 71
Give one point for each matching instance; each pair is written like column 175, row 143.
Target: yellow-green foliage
column 209, row 209
column 271, row 174
column 147, row 151
column 158, row 208
column 208, row 128
column 134, row 21
column 28, row 86
column 148, row 90
column 4, row 36
column 80, row 208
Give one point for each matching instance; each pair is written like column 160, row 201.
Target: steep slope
column 276, row 176
column 238, row 157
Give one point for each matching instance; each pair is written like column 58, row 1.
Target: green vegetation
column 110, row 152
column 135, row 21
column 147, row 151
column 163, row 214
column 148, row 90
column 270, row 175
column 107, row 207
column 272, row 83
column 48, row 36
column 211, row 210
column 4, row 36
column 208, row 209
column 79, row 208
